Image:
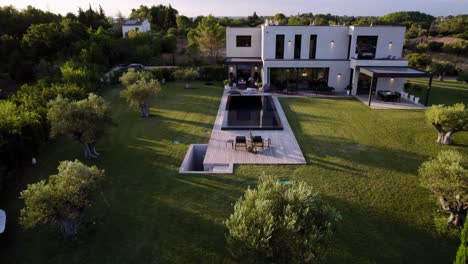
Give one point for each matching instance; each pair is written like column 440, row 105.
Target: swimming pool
column 245, row 112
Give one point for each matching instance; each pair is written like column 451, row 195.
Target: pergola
column 376, row 72
column 254, row 61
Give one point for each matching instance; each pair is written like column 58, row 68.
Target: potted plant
column 227, row 84
column 348, row 89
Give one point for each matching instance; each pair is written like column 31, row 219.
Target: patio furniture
column 241, row 141
column 257, row 141
column 388, row 96
column 230, row 141
column 323, row 87
column 251, row 91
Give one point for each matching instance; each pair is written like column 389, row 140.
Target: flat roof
column 247, row 60
column 383, row 71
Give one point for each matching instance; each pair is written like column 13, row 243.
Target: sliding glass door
column 301, row 79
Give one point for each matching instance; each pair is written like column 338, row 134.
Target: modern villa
column 301, row 57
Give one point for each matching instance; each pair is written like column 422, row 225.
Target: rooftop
column 133, row 22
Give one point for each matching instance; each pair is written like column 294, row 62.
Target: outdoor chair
column 257, row 141
column 241, row 141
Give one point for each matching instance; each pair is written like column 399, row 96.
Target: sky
column 194, row 8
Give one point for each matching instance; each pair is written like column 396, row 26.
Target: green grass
column 364, row 162
column 446, row 92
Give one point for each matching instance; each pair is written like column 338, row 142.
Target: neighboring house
column 304, row 56
column 139, row 25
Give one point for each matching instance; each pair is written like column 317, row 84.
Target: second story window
column 366, row 47
column 244, row 41
column 279, row 51
column 312, row 46
column 297, row 46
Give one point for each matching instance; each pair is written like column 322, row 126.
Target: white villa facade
column 303, row 56
column 140, row 25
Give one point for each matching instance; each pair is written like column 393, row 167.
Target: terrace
column 283, row 149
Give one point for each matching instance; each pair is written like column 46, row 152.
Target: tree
column 84, row 120
column 186, row 75
column 141, row 93
column 417, row 60
column 447, row 179
column 448, row 120
column 280, row 18
column 132, row 76
column 254, row 19
column 281, row 224
column 209, row 36
column 462, row 253
column 63, row 198
column 184, row 22
column 442, row 68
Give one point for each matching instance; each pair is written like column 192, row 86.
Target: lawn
column 446, row 92
column 364, row 162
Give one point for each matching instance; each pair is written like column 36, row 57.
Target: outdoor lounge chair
column 240, row 141
column 257, row 141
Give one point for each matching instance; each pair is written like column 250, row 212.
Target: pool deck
column 284, row 148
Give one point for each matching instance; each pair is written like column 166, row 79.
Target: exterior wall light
column 289, row 42
column 332, row 43
column 231, row 69
column 392, row 79
column 390, row 44
column 339, row 75
column 256, row 68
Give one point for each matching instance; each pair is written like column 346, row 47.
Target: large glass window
column 366, row 47
column 312, row 46
column 298, row 78
column 279, row 51
column 297, row 46
column 244, row 41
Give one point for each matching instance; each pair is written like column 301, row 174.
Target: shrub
column 434, row 45
column 212, row 73
column 418, row 60
column 463, row 77
column 279, row 223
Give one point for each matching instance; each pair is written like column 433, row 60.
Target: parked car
column 136, row 66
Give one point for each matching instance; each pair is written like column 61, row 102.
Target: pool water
column 251, row 112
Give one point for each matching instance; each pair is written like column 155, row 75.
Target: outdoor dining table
column 388, row 96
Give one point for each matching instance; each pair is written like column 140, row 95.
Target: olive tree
column 281, row 223
column 84, row 120
column 446, row 177
column 186, row 75
column 132, row 76
column 448, row 120
column 63, row 198
column 140, row 94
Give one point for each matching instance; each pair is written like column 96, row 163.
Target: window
column 297, row 46
column 279, row 51
column 349, row 46
column 366, row 47
column 312, row 46
column 298, row 78
column 244, row 41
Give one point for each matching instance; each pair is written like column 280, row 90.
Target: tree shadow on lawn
column 369, row 235
column 319, row 151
